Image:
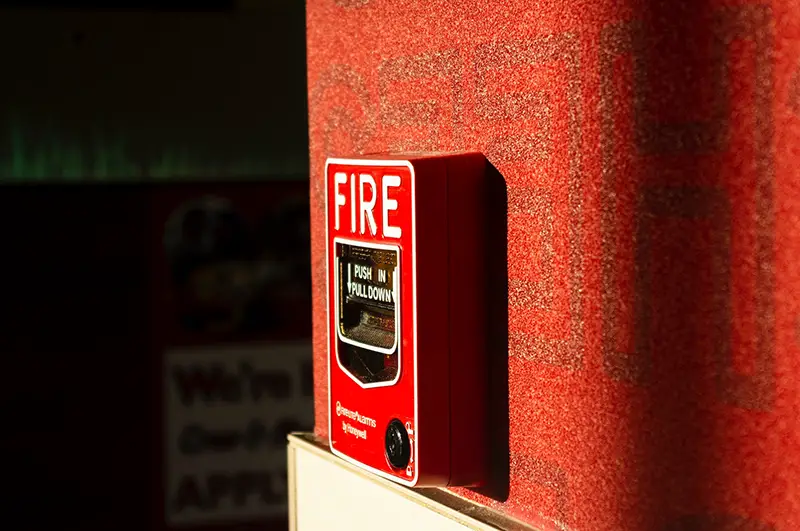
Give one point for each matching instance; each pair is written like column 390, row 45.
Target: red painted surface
column 650, row 150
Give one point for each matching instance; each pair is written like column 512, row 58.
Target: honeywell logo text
column 354, row 415
column 352, row 430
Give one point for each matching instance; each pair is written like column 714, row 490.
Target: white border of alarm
column 368, row 162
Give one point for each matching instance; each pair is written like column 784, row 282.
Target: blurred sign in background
column 227, row 413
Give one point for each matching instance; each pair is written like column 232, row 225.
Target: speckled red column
column 652, row 156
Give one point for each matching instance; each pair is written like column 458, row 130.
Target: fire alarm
column 407, row 374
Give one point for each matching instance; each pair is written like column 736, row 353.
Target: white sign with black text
column 227, row 412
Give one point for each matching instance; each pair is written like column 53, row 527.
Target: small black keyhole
column 398, row 447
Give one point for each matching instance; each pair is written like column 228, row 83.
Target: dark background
column 152, row 90
column 94, row 95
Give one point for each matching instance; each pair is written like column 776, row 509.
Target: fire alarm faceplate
column 407, row 374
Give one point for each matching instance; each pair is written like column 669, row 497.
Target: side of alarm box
column 407, row 376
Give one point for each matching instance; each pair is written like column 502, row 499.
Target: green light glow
column 51, row 157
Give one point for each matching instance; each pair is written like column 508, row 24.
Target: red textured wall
column 651, row 151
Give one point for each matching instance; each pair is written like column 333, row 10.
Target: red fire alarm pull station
column 407, row 362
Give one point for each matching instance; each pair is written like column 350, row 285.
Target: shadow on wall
column 497, row 339
column 697, row 371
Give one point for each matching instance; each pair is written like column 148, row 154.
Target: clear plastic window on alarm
column 368, row 304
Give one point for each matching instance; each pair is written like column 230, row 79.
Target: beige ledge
column 327, row 493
